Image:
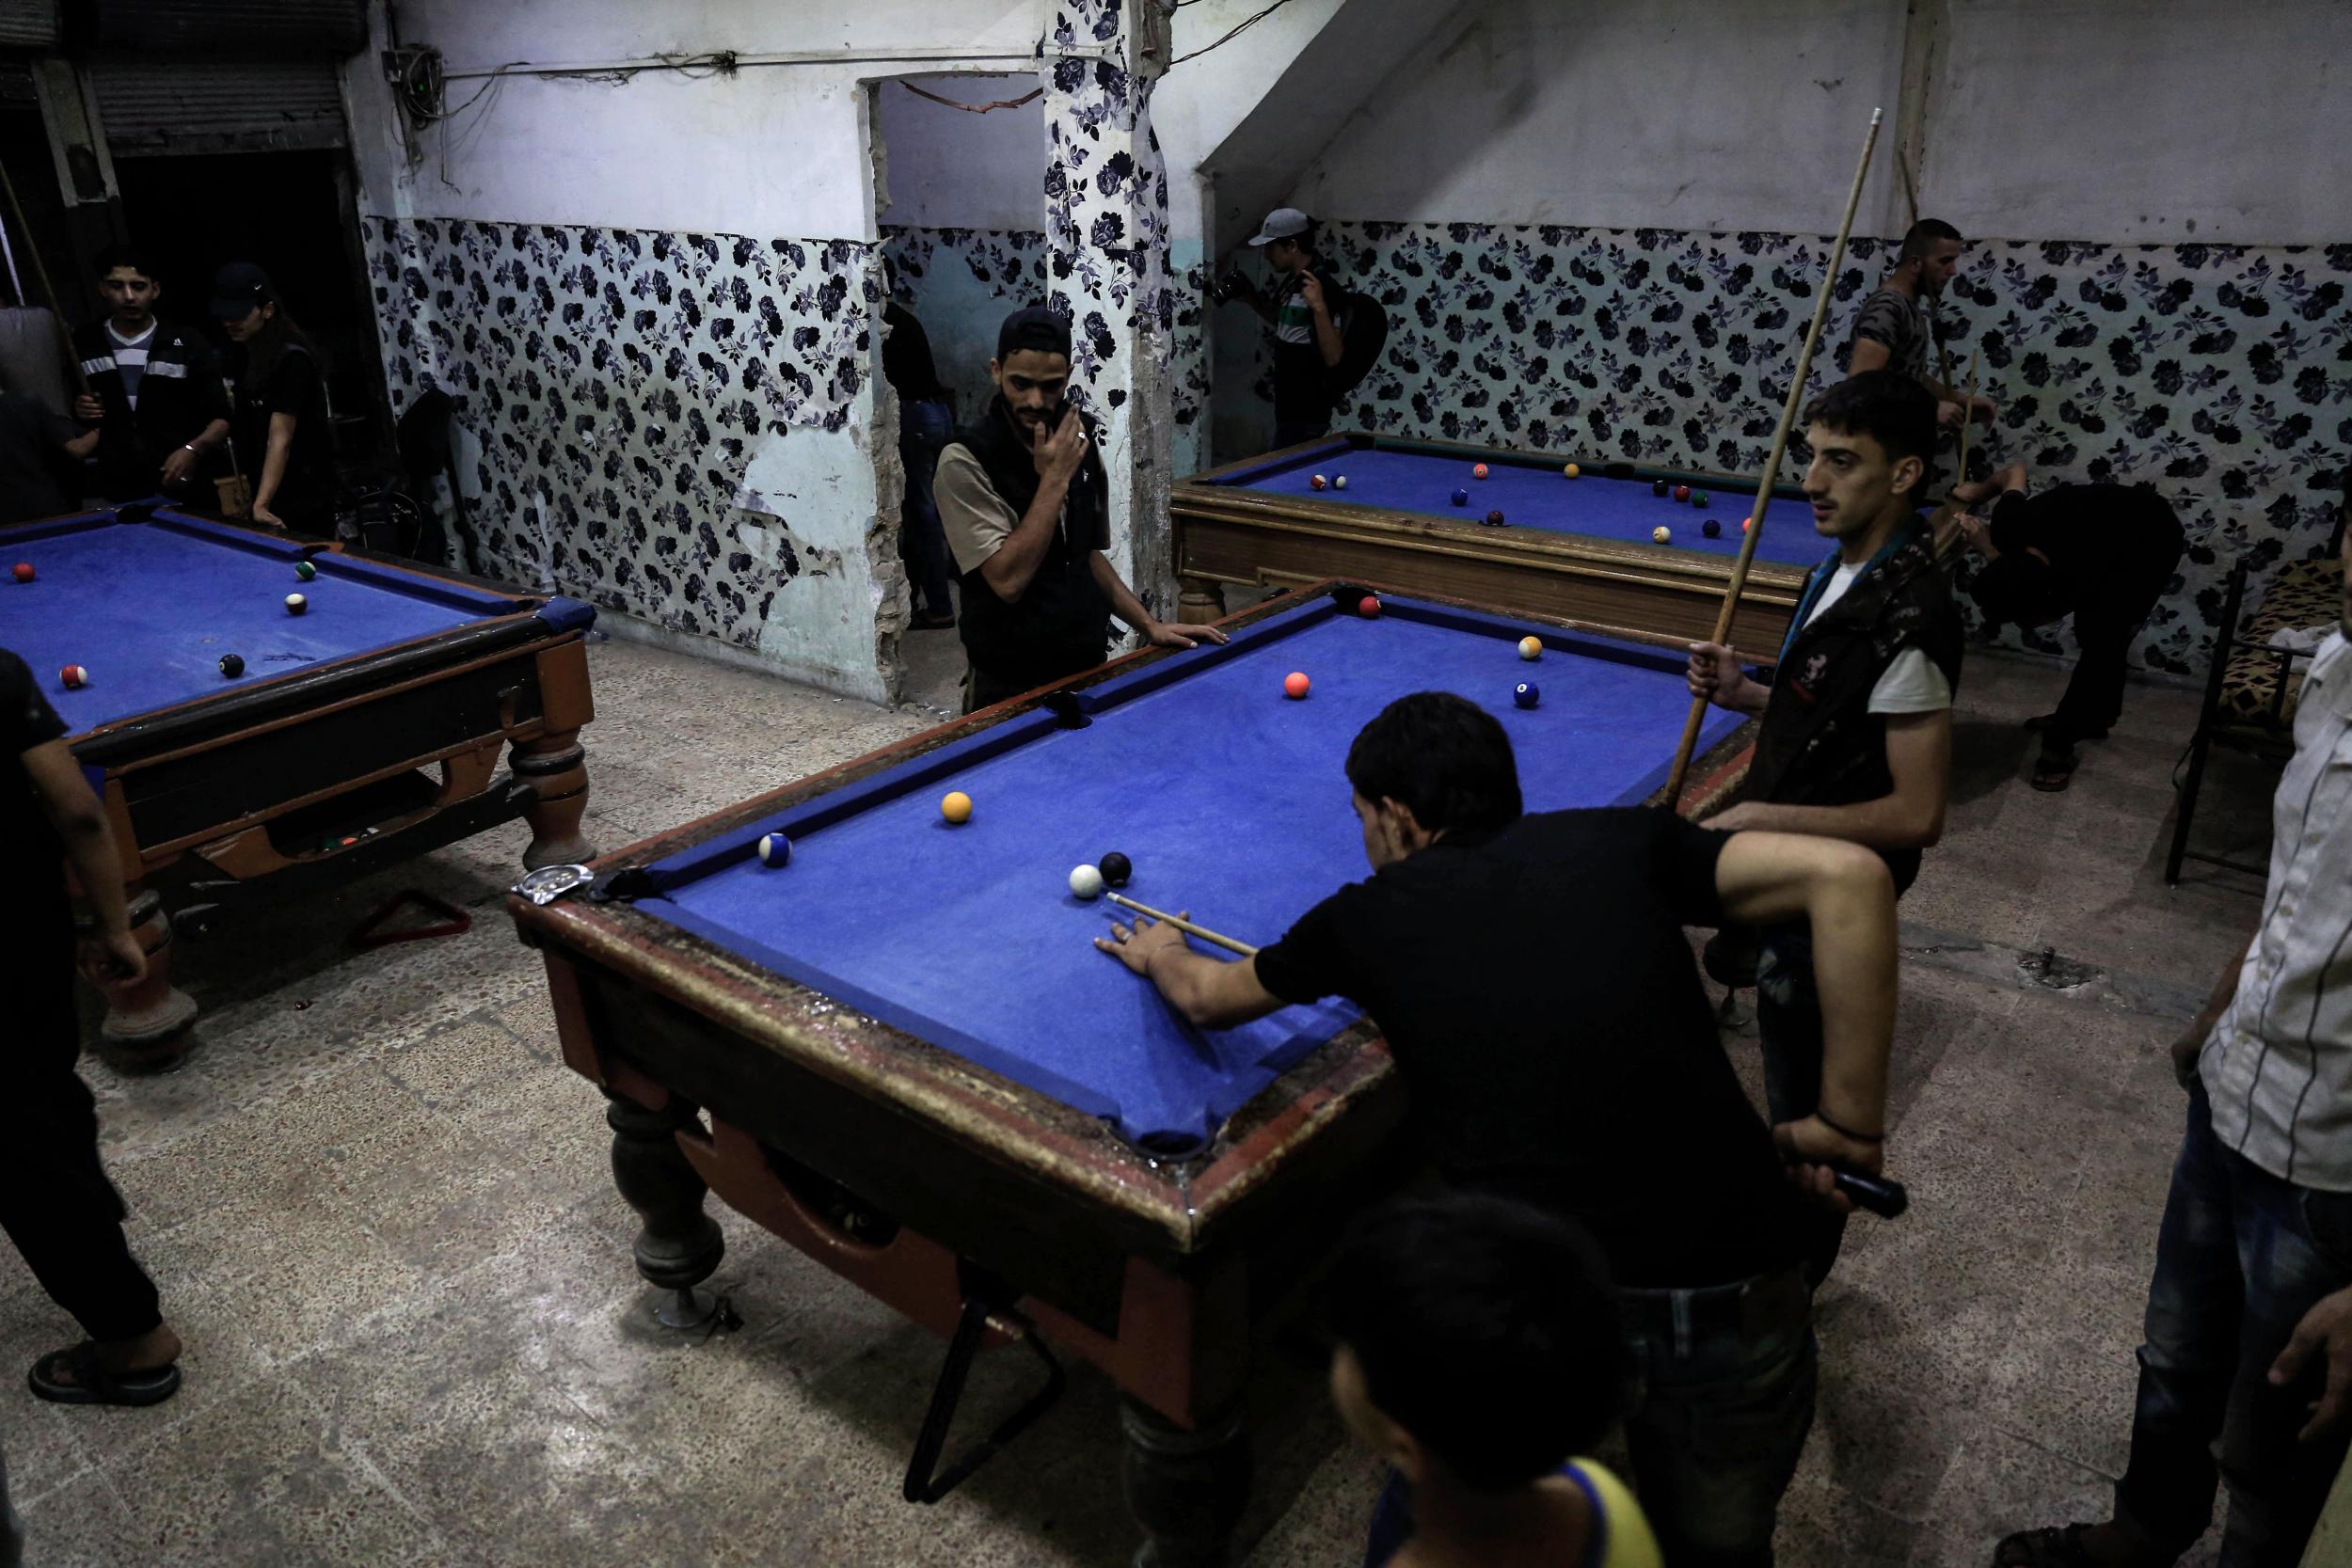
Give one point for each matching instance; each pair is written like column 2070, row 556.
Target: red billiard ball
column 1682, row 492
column 74, row 677
column 1479, row 472
column 23, row 571
column 1746, row 523
column 1295, row 684
column 1318, row 482
column 1368, row 606
column 1494, row 518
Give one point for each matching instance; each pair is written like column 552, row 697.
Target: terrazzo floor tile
column 382, row 1214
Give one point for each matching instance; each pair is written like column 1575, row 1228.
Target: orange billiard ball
column 1746, row 523
column 1295, row 684
column 956, row 806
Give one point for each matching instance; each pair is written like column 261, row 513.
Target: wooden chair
column 2250, row 694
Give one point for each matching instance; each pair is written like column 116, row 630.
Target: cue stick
column 1184, row 925
column 40, row 275
column 1771, row 467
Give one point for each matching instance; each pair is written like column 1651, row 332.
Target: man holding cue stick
column 1530, row 976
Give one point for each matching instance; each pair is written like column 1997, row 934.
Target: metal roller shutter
column 29, row 24
column 179, row 106
column 250, row 29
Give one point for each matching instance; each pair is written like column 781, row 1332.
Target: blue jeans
column 2241, row 1257
column 925, row 427
column 11, row 1528
column 1727, row 1376
column 1789, row 1028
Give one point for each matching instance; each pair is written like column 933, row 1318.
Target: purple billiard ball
column 1525, row 695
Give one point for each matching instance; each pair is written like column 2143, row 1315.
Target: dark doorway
column 291, row 212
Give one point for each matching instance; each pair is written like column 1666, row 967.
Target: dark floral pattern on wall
column 2220, row 374
column 617, row 382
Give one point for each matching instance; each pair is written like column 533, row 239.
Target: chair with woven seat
column 2252, row 691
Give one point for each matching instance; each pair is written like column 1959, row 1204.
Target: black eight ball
column 1658, row 487
column 1711, row 528
column 231, row 665
column 1116, row 869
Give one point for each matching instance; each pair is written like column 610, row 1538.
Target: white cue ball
column 1086, row 881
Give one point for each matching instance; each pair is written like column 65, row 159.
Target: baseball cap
column 1284, row 223
column 239, row 289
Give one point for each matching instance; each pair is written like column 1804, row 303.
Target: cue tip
column 1874, row 115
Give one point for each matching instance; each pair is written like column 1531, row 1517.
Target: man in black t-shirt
column 55, row 1201
column 2104, row 552
column 282, row 435
column 38, row 450
column 1532, row 977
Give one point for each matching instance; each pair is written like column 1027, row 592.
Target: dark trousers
column 2240, row 1257
column 2106, row 618
column 55, row 1201
column 925, row 427
column 1290, row 429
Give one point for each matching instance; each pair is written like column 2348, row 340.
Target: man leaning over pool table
column 1531, row 978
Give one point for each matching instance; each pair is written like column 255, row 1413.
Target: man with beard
column 1896, row 330
column 1024, row 501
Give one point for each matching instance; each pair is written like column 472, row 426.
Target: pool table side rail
column 1517, row 457
column 1182, row 1205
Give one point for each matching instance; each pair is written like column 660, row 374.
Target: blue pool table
column 900, row 1051
column 363, row 730
column 1578, row 548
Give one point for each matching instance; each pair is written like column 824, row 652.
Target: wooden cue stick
column 1771, row 467
column 1184, row 925
column 1944, row 526
column 40, row 275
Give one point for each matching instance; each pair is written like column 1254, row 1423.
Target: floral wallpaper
column 617, row 381
column 2221, row 374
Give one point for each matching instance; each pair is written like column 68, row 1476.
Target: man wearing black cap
column 281, row 429
column 2104, row 551
column 1024, row 501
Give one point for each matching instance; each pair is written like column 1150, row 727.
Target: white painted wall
column 1663, row 113
column 2144, row 120
column 768, row 150
column 2114, row 121
column 951, row 169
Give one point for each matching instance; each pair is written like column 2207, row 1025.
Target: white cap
column 1284, row 223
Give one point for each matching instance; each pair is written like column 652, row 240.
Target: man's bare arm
column 1909, row 816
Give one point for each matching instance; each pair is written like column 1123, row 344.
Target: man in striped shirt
column 2249, row 1352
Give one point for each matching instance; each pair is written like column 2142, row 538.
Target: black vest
column 1061, row 624
column 1819, row 744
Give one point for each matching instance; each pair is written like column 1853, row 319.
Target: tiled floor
column 380, row 1213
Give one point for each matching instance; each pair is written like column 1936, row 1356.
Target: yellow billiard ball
column 1530, row 648
column 956, row 806
column 1571, row 471
column 1661, row 533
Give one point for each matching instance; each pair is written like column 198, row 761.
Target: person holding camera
column 1025, row 504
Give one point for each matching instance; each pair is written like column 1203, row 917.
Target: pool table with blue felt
column 1577, row 548
column 363, row 730
column 914, row 1066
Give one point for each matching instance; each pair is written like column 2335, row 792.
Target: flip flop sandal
column 2052, row 774
column 2054, row 1547
column 74, row 1377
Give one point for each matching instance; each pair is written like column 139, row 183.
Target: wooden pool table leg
column 555, row 769
column 680, row 1245
column 1199, row 600
column 147, row 1019
column 1185, row 1487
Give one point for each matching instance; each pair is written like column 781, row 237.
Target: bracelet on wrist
column 1822, row 1116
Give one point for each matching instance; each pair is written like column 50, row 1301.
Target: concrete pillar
column 1107, row 224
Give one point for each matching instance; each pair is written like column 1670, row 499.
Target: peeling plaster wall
column 652, row 298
